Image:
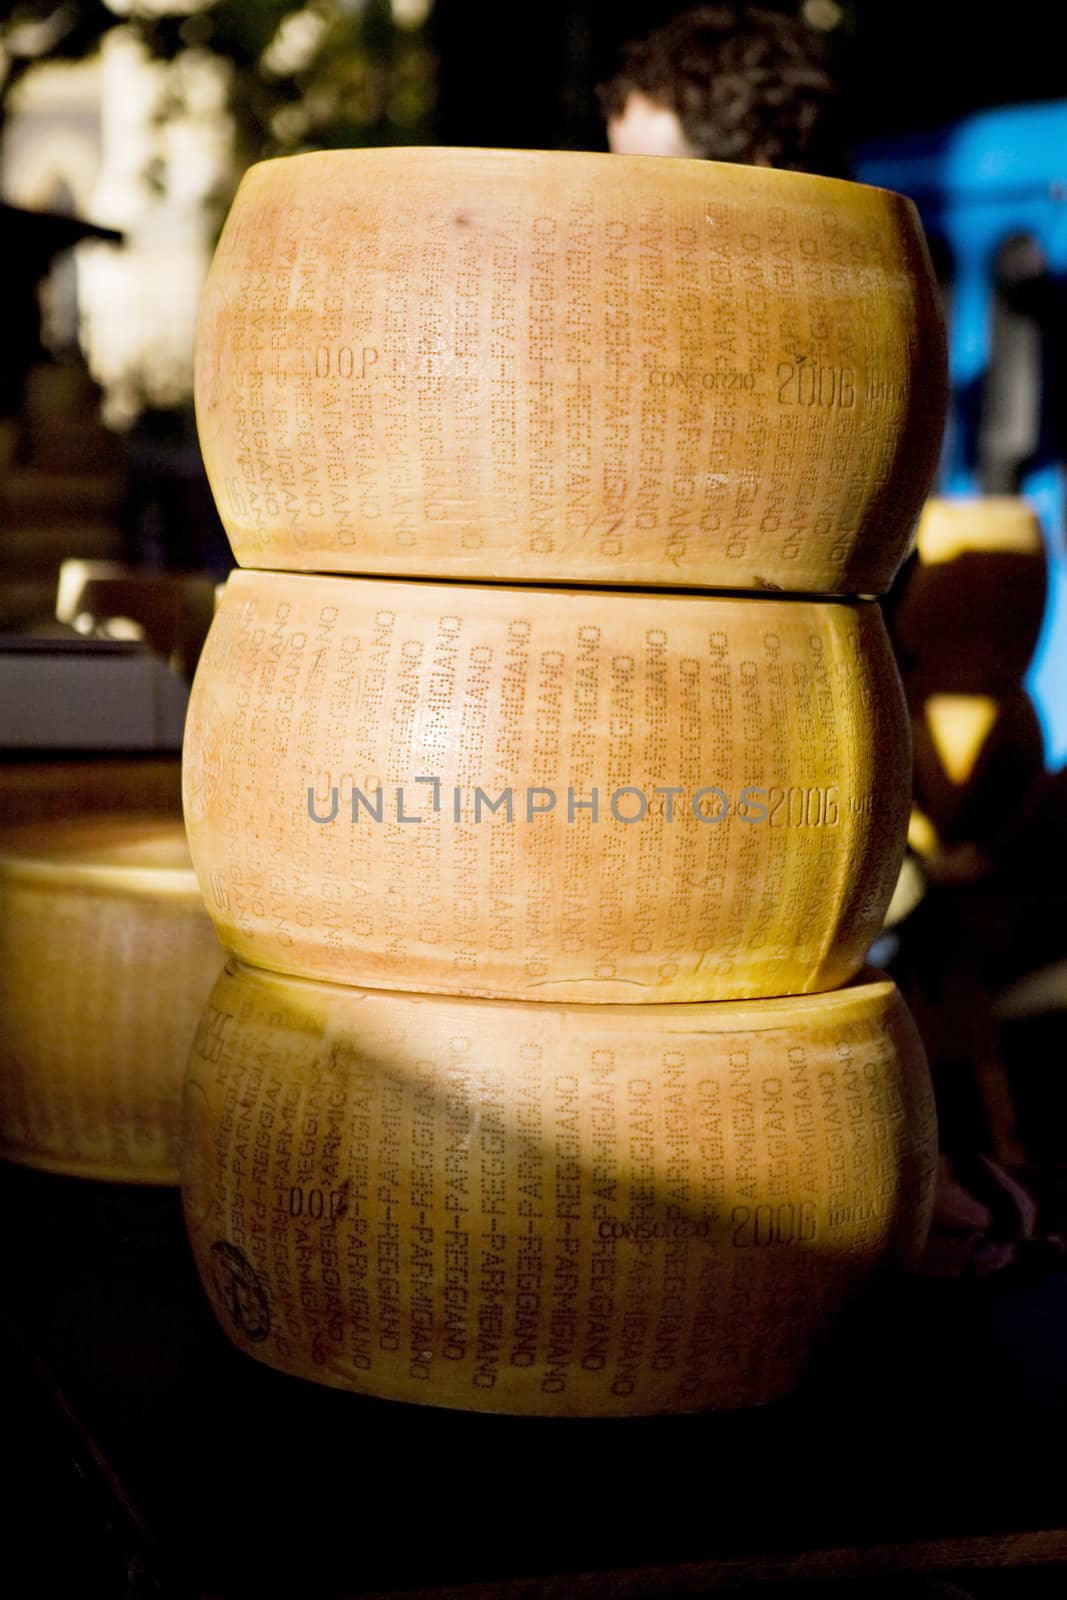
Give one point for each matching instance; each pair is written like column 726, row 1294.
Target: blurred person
column 728, row 82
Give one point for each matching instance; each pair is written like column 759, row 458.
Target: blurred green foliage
column 328, row 74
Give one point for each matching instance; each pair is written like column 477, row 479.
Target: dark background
column 523, row 76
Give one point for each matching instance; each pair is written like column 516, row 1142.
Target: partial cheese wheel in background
column 106, row 959
column 546, row 794
column 574, row 367
column 38, row 791
column 908, row 893
column 979, row 763
column 970, row 611
column 564, row 1210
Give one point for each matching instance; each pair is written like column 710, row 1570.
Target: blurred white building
column 146, row 147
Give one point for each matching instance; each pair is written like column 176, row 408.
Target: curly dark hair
column 747, row 84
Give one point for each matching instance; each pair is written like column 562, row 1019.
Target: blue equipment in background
column 979, row 184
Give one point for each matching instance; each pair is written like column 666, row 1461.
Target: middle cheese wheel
column 546, row 794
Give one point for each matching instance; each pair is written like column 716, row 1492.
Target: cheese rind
column 570, row 367
column 106, row 956
column 556, row 1210
column 546, row 794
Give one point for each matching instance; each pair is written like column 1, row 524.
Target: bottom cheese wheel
column 549, row 1209
column 106, row 958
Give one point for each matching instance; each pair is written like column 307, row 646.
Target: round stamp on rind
column 237, row 1286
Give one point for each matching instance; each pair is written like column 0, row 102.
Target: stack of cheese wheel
column 106, row 960
column 544, row 752
column 965, row 626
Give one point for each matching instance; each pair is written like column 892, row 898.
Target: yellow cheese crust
column 106, row 957
column 572, row 367
column 558, row 1210
column 546, row 794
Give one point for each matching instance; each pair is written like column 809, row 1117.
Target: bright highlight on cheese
column 949, row 529
column 570, row 367
column 979, row 762
column 558, row 1210
column 959, row 726
column 660, row 797
column 106, row 957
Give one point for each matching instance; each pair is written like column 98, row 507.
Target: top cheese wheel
column 970, row 610
column 570, row 367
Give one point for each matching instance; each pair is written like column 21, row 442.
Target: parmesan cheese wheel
column 971, row 607
column 568, row 1210
column 979, row 762
column 106, row 958
column 546, row 794
column 569, row 367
